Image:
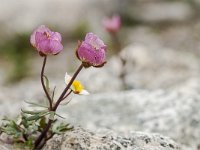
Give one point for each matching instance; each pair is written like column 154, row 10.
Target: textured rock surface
column 174, row 113
column 169, row 67
column 80, row 139
column 166, row 98
column 5, row 146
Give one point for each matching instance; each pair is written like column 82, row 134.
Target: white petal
column 67, row 78
column 84, row 92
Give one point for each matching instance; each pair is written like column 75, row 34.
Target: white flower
column 76, row 86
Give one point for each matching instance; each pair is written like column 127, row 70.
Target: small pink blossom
column 46, row 41
column 113, row 24
column 92, row 51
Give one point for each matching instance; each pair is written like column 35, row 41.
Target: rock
column 4, row 146
column 79, row 139
column 169, row 67
column 174, row 113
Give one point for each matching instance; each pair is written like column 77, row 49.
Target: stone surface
column 165, row 99
column 169, row 67
column 80, row 139
column 5, row 146
column 174, row 113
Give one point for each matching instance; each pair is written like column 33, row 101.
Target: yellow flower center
column 77, row 86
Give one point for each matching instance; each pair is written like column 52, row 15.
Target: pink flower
column 46, row 41
column 113, row 24
column 91, row 51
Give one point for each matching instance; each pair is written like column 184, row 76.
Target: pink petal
column 50, row 46
column 55, row 46
column 56, row 36
column 40, row 29
column 39, row 36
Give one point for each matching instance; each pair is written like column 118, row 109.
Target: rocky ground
column 81, row 139
column 162, row 96
column 160, row 89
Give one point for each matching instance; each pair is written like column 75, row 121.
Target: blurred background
column 155, row 66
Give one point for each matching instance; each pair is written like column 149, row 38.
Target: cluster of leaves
column 29, row 125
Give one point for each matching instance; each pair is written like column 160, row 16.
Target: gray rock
column 80, row 139
column 169, row 67
column 174, row 113
column 5, row 146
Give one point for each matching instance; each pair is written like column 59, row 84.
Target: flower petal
column 67, row 78
column 40, row 29
column 55, row 46
column 39, row 37
column 84, row 92
column 93, row 40
column 49, row 46
column 56, row 36
column 87, row 54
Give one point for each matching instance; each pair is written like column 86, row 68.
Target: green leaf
column 60, row 116
column 35, row 104
column 24, row 122
column 11, row 128
column 29, row 142
column 43, row 122
column 62, row 127
column 34, row 112
column 52, row 97
column 14, row 125
column 36, row 117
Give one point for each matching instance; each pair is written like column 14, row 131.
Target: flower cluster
column 91, row 52
column 36, row 126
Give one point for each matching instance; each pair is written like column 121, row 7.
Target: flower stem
column 62, row 96
column 43, row 85
column 67, row 95
column 43, row 134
